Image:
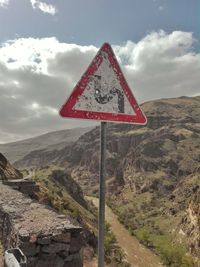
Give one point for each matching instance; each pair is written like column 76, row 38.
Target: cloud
column 162, row 65
column 37, row 76
column 161, row 4
column 161, row 8
column 4, row 3
column 44, row 7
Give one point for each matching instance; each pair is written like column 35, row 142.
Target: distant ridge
column 16, row 150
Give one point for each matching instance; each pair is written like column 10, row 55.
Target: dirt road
column 136, row 254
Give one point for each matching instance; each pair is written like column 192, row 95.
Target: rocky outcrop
column 64, row 180
column 45, row 237
column 13, row 177
column 191, row 223
column 7, row 171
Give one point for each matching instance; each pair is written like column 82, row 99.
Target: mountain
column 153, row 175
column 169, row 142
column 59, row 139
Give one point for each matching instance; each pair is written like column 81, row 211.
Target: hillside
column 58, row 190
column 168, row 119
column 153, row 175
column 59, row 139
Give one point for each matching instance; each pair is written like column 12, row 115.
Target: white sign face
column 104, row 92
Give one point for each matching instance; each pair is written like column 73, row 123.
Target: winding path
column 136, row 254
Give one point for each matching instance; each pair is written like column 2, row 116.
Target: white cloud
column 161, row 8
column 35, row 53
column 4, row 3
column 37, row 75
column 161, row 4
column 164, row 65
column 44, row 7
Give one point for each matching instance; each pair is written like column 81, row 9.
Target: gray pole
column 102, row 189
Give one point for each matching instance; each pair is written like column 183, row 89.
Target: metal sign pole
column 102, row 189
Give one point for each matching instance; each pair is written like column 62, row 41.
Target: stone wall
column 26, row 186
column 45, row 237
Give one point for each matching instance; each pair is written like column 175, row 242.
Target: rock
column 75, row 261
column 7, row 171
column 44, row 240
column 29, row 249
column 62, row 238
column 50, row 261
column 55, row 247
column 73, row 188
column 76, row 244
column 24, row 235
column 191, row 224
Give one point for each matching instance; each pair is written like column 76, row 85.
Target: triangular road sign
column 103, row 93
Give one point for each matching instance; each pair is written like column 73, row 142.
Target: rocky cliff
column 7, row 171
column 191, row 222
column 65, row 181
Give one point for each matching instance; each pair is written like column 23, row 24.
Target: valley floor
column 136, row 254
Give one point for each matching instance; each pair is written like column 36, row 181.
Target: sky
column 45, row 47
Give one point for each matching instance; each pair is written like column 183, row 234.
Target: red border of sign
column 68, row 111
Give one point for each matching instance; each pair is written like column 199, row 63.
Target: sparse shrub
column 187, row 261
column 113, row 253
column 110, row 242
column 143, row 235
column 60, row 193
column 173, row 255
column 75, row 213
